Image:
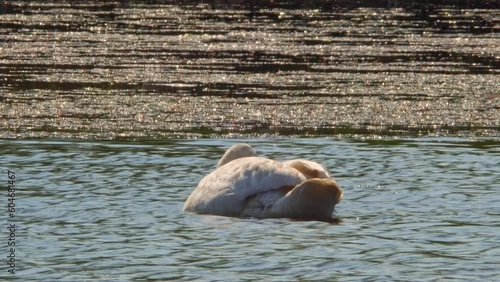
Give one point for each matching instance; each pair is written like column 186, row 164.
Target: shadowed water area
column 153, row 69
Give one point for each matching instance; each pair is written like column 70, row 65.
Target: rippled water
column 154, row 69
column 413, row 209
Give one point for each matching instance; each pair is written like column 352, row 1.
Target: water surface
column 150, row 69
column 414, row 209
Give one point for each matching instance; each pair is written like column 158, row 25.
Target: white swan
column 246, row 185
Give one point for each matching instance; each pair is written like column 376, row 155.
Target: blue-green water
column 413, row 209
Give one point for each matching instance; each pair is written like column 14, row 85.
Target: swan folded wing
column 225, row 191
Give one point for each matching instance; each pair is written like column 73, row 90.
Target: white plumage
column 246, row 185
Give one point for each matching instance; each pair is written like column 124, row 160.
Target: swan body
column 246, row 185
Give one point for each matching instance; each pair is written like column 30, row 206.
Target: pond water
column 421, row 209
column 133, row 79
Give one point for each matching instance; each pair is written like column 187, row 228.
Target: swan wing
column 225, row 190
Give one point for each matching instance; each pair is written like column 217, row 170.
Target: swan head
column 237, row 151
column 309, row 169
column 312, row 199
